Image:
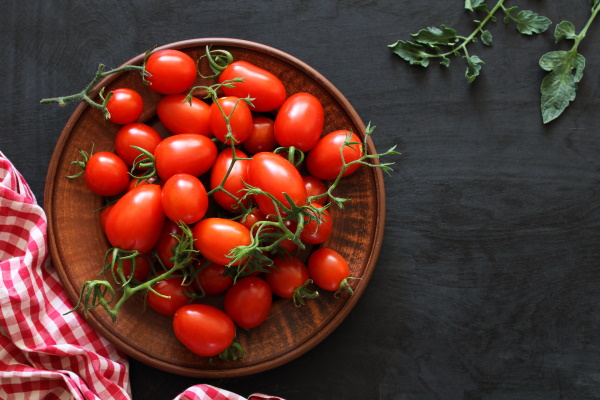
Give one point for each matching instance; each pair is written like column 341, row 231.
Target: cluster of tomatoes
column 214, row 204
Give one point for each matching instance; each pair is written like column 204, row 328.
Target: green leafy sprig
column 565, row 69
column 428, row 43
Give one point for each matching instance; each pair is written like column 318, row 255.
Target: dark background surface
column 488, row 282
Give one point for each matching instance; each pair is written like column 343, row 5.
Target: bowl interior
column 77, row 243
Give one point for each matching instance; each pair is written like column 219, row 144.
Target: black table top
column 488, row 282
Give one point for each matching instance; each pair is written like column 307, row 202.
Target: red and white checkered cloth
column 45, row 354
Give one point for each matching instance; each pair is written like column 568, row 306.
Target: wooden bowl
column 77, row 243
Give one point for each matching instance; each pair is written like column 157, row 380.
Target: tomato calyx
column 235, row 351
column 345, row 287
column 85, row 157
column 294, row 155
column 218, row 60
column 303, row 292
column 114, row 259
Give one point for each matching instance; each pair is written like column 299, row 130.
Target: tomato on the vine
column 211, row 278
column 171, row 296
column 104, row 215
column 184, row 198
column 167, row 242
column 324, row 160
column 135, row 134
column 136, row 220
column 315, row 187
column 216, row 237
column 328, row 269
column 239, row 115
column 140, row 271
column 248, row 301
column 180, row 116
column 288, row 274
column 267, row 90
column 315, row 233
column 188, row 153
column 275, row 175
column 124, row 106
column 234, row 184
column 205, row 330
column 171, row 71
column 262, row 135
column 106, row 174
column 299, row 121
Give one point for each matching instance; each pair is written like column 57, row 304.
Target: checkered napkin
column 45, row 354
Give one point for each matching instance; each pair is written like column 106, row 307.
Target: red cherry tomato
column 211, row 279
column 185, row 153
column 106, row 174
column 136, row 220
column 266, row 89
column 299, row 122
column 324, row 160
column 235, row 180
column 262, row 136
column 179, row 116
column 315, row 187
column 314, row 233
column 205, row 330
column 172, row 71
column 135, row 134
column 125, row 106
column 184, row 199
column 216, row 237
column 240, row 119
column 275, row 175
column 328, row 268
column 253, row 217
column 288, row 274
column 176, row 298
column 166, row 242
column 248, row 301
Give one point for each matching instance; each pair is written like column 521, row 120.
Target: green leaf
column 473, row 68
column 432, row 35
column 560, row 84
column 565, row 30
column 445, row 62
column 414, row 53
column 473, row 5
column 486, row 37
column 529, row 22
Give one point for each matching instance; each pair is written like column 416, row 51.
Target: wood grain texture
column 487, row 284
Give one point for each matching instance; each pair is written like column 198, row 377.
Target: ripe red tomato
column 275, row 175
column 235, row 180
column 266, row 89
column 188, row 153
column 248, row 301
column 288, row 274
column 104, row 215
column 136, row 220
column 172, row 71
column 324, row 160
column 299, row 121
column 125, row 106
column 166, row 242
column 205, row 330
column 106, row 174
column 314, row 233
column 253, row 217
column 142, row 267
column 315, row 187
column 262, row 136
column 216, row 237
column 176, row 298
column 135, row 134
column 240, row 119
column 328, row 268
column 211, row 278
column 179, row 116
column 184, row 199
